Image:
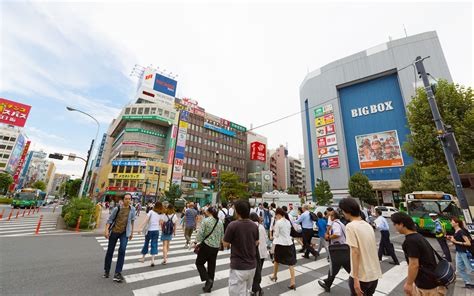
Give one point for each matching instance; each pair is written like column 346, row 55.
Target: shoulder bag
column 198, row 246
column 443, row 274
column 339, row 247
column 115, row 218
column 147, row 225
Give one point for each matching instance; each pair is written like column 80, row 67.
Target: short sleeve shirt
column 154, row 221
column 416, row 246
column 338, row 228
column 190, row 218
column 243, row 236
column 361, row 235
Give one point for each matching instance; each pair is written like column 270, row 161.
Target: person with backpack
column 168, row 230
column 190, row 222
column 151, row 229
column 463, row 243
column 224, row 215
column 420, row 256
column 306, row 222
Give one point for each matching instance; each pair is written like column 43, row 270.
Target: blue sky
column 242, row 61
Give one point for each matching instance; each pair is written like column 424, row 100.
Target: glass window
column 127, row 110
column 160, row 111
column 12, row 139
column 128, row 169
column 147, row 110
column 167, row 113
column 5, row 156
column 134, row 111
column 172, row 115
column 140, row 111
column 133, row 183
column 153, row 110
column 9, row 147
column 3, row 146
column 114, row 169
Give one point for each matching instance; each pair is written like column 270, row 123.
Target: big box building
column 355, row 118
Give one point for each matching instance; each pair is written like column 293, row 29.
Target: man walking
column 307, row 232
column 190, row 219
column 440, row 233
column 385, row 244
column 242, row 236
column 365, row 266
column 119, row 226
column 418, row 253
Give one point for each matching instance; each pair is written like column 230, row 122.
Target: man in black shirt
column 420, row 257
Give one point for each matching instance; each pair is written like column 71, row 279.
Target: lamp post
column 147, row 183
column 218, row 178
column 83, row 183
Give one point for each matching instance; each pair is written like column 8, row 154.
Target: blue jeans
column 464, row 267
column 153, row 236
column 114, row 237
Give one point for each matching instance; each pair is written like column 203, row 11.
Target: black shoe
column 305, row 256
column 469, row 286
column 118, row 277
column 208, row 286
column 301, row 251
column 324, row 286
column 106, row 275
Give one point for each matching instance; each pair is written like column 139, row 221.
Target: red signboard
column 334, row 162
column 20, row 166
column 214, row 173
column 322, row 142
column 258, row 151
column 129, row 189
column 13, row 113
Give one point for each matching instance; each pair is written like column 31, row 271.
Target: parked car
column 387, row 212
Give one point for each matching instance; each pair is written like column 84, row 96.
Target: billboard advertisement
column 165, row 85
column 15, row 155
column 328, row 151
column 375, row 127
column 180, row 148
column 329, row 163
column 13, row 113
column 219, row 129
column 129, row 162
column 379, row 150
column 258, row 151
column 19, row 167
column 325, row 130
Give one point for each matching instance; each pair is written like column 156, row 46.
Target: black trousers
column 257, row 278
column 444, row 246
column 386, row 245
column 368, row 288
column 339, row 258
column 307, row 237
column 209, row 255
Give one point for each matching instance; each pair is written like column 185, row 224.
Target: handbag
column 338, row 247
column 198, row 246
column 443, row 273
column 147, row 226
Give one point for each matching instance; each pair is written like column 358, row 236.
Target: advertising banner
column 19, row 167
column 129, row 162
column 320, row 111
column 379, row 150
column 238, row 127
column 328, row 151
column 219, row 129
column 258, row 151
column 329, row 163
column 15, row 155
column 146, row 132
column 101, row 150
column 165, row 85
column 128, row 176
column 13, row 113
column 321, row 142
column 327, row 141
column 181, row 140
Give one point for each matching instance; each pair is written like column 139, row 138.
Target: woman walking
column 151, row 229
column 461, row 241
column 209, row 237
column 262, row 254
column 285, row 252
column 168, row 227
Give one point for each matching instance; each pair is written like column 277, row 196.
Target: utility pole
column 83, row 183
column 448, row 141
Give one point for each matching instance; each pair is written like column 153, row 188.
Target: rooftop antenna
column 405, row 29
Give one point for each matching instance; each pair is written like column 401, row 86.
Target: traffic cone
column 23, row 215
column 39, row 225
column 9, row 216
column 78, row 224
column 1, row 215
column 17, row 213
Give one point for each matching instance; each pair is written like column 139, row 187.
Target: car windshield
column 422, row 208
column 25, row 196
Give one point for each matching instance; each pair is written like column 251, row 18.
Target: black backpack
column 470, row 249
column 313, row 216
column 228, row 218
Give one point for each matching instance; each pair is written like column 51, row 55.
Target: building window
column 135, row 170
column 147, row 111
column 140, row 111
column 128, row 169
column 114, row 169
column 127, row 110
column 167, row 113
column 153, row 110
column 125, row 183
column 134, row 111
column 160, row 111
column 12, row 139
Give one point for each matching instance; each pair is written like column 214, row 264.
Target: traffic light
column 56, row 156
column 213, row 184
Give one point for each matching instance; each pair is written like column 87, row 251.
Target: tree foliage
column 323, row 193
column 360, row 187
column 292, row 190
column 79, row 207
column 173, row 193
column 39, row 185
column 232, row 188
column 5, row 181
column 430, row 171
column 72, row 187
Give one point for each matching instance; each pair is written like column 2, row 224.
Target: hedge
column 4, row 200
column 76, row 207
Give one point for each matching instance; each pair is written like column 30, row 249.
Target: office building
column 280, row 168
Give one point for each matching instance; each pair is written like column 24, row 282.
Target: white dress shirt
column 281, row 233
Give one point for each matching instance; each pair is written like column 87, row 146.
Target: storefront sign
column 238, row 127
column 146, row 117
column 323, row 110
column 129, row 162
column 13, row 113
column 325, row 130
column 145, row 131
column 371, row 109
column 219, row 129
column 128, row 176
column 327, row 141
column 328, row 151
column 101, row 150
column 258, row 151
column 329, row 163
column 132, row 189
column 165, row 85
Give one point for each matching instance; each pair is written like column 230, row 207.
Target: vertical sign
column 20, row 166
column 326, row 137
column 180, row 145
column 101, row 150
column 258, row 151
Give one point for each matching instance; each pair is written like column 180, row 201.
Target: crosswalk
column 26, row 225
column 180, row 277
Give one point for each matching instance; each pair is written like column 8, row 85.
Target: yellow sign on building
column 127, row 176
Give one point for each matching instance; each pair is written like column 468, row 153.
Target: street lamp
column 83, row 183
column 218, row 178
column 147, row 183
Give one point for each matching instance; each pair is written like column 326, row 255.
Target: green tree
column 72, row 187
column 410, row 179
column 456, row 106
column 173, row 193
column 5, row 181
column 323, row 193
column 39, row 185
column 231, row 187
column 292, row 190
column 360, row 187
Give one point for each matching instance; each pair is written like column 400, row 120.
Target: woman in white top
column 151, row 227
column 285, row 252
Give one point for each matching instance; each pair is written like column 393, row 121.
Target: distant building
column 58, row 180
column 279, row 165
column 296, row 174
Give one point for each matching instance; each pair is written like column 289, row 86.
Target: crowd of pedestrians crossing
column 345, row 233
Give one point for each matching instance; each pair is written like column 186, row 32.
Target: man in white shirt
column 260, row 211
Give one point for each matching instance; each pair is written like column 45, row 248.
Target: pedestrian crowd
column 346, row 233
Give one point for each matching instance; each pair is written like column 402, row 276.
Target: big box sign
column 375, row 127
column 165, row 85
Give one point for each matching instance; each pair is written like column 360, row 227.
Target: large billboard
column 258, row 151
column 165, row 85
column 375, row 127
column 15, row 155
column 379, row 150
column 13, row 113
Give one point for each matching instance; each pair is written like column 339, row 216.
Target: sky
column 242, row 61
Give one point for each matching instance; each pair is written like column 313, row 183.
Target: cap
column 433, row 214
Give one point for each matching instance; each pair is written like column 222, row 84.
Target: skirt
column 285, row 255
column 166, row 237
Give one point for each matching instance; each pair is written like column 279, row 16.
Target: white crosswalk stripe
column 26, row 226
column 180, row 276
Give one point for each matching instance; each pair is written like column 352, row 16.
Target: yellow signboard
column 128, row 176
column 183, row 124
